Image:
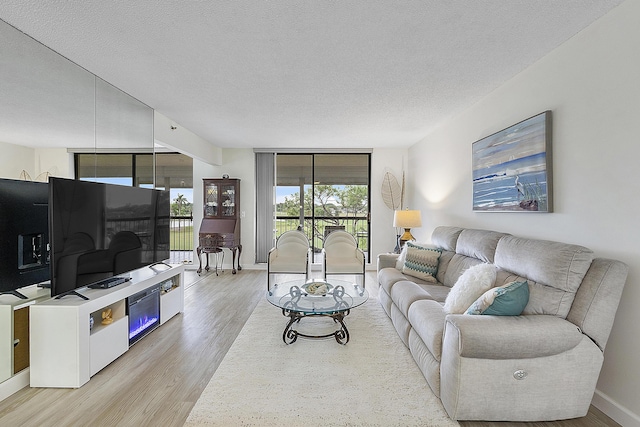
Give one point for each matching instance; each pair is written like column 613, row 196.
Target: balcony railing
column 181, row 239
column 317, row 228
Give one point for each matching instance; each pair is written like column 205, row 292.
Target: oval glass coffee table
column 333, row 298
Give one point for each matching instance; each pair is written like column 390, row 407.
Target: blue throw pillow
column 507, row 300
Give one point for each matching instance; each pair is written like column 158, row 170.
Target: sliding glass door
column 319, row 193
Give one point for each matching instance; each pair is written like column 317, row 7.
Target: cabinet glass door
column 211, row 199
column 228, row 200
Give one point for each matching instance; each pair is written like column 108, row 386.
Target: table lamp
column 407, row 219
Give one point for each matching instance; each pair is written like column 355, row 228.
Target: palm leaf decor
column 391, row 192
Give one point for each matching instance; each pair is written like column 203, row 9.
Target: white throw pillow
column 401, row 258
column 474, row 282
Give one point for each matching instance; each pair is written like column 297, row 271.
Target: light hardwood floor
column 157, row 382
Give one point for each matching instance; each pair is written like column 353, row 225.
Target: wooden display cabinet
column 220, row 227
column 221, row 198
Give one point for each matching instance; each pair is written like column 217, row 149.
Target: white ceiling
column 305, row 73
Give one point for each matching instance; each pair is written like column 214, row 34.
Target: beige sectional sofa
column 540, row 365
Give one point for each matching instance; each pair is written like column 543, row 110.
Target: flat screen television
column 24, row 235
column 100, row 231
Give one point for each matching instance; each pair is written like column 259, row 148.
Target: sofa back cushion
column 446, row 237
column 554, row 271
column 457, row 265
column 480, row 244
column 472, row 248
column 596, row 302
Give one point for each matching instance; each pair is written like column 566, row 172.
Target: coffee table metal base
column 290, row 335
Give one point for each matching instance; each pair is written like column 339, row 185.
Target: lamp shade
column 407, row 219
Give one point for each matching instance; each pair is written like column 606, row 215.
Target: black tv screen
column 24, row 235
column 102, row 230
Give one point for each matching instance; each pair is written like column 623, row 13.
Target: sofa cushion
column 437, row 291
column 596, row 302
column 446, row 237
column 507, row 300
column 387, row 277
column 429, row 366
column 405, row 293
column 457, row 265
column 443, row 265
column 421, row 261
column 554, row 271
column 427, row 320
column 512, row 337
column 473, row 283
column 480, row 244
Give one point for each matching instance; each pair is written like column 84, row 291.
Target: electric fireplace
column 143, row 310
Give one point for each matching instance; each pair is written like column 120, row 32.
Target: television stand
column 72, row 293
column 68, row 340
column 14, row 293
column 45, row 285
column 151, row 266
column 109, row 283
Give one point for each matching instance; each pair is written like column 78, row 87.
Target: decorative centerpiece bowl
column 318, row 288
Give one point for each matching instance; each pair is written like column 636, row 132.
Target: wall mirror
column 48, row 101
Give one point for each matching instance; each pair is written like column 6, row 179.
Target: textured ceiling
column 348, row 74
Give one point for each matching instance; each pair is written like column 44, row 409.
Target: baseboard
column 615, row 411
column 14, row 384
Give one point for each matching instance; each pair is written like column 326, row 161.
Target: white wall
column 57, row 161
column 34, row 161
column 592, row 85
column 237, row 163
column 15, row 159
column 383, row 234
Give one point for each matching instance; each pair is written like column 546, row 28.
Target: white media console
column 68, row 348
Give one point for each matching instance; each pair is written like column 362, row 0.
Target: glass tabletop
column 317, row 296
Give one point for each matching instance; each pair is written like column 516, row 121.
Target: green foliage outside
column 345, row 206
column 329, row 201
column 180, row 206
column 332, row 205
column 181, row 239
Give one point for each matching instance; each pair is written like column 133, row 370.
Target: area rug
column 370, row 381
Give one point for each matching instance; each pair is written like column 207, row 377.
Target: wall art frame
column 512, row 169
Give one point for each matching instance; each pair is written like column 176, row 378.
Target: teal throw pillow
column 507, row 300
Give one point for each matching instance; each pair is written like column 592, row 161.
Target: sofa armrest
column 387, row 260
column 511, row 337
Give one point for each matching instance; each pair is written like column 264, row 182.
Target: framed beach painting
column 512, row 168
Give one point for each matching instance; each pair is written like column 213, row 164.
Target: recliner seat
column 541, row 365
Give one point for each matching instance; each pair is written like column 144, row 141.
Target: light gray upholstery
column 557, row 268
column 541, row 365
column 594, row 307
column 446, row 237
column 480, row 244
